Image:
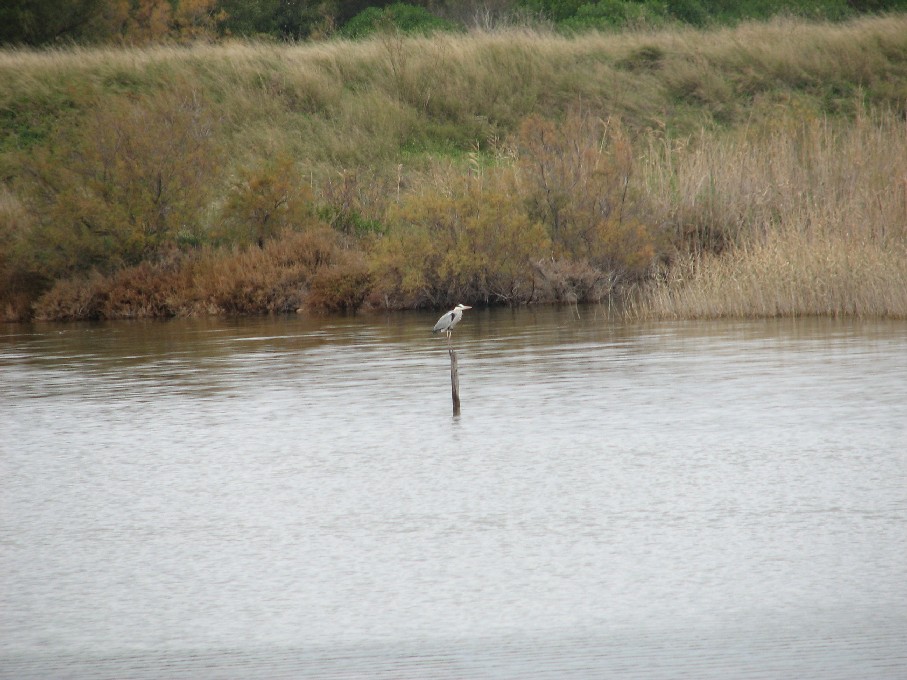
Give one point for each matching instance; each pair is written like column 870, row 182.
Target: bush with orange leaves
column 310, row 268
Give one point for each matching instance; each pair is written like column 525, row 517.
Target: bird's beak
column 466, row 307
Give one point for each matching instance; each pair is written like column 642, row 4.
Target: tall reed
column 795, row 217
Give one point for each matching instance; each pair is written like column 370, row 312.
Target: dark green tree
column 400, row 16
column 39, row 22
column 556, row 10
column 251, row 17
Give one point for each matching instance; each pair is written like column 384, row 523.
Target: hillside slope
column 489, row 167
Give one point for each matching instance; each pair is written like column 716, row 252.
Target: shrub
column 273, row 279
column 266, row 200
column 350, row 203
column 146, row 290
column 615, row 14
column 340, row 287
column 576, row 180
column 119, row 185
column 402, row 17
column 18, row 285
column 240, row 280
column 470, row 241
column 570, row 281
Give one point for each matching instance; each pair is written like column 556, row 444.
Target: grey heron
column 447, row 322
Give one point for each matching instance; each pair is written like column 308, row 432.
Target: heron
column 447, row 322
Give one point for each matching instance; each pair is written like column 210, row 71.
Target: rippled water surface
column 292, row 497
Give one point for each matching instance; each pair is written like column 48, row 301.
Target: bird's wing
column 444, row 322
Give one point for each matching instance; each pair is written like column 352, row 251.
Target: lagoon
column 292, row 497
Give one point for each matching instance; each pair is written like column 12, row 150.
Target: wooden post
column 454, row 382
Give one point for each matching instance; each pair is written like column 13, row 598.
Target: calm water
column 293, row 498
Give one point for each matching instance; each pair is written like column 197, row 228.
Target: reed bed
column 804, row 217
column 787, row 275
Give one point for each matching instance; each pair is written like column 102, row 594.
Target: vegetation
column 759, row 169
column 814, row 216
column 136, row 22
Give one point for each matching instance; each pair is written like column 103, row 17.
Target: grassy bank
column 489, row 167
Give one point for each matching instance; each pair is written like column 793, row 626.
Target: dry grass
column 363, row 104
column 793, row 170
column 492, row 74
column 790, row 274
column 801, row 217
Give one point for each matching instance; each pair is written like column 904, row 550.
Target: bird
column 449, row 320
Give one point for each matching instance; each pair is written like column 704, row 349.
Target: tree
column 38, row 22
column 399, row 16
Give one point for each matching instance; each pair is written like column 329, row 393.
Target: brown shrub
column 248, row 280
column 19, row 285
column 339, row 287
column 157, row 290
column 70, row 300
column 572, row 281
column 576, row 179
column 272, row 279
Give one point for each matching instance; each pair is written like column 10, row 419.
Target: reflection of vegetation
column 253, row 178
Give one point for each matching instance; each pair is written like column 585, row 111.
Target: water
column 292, row 497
